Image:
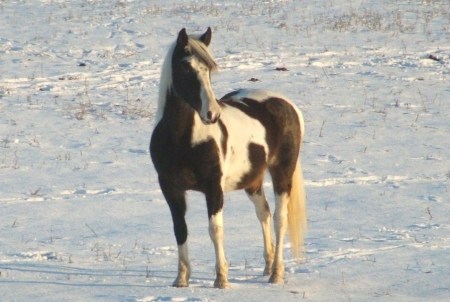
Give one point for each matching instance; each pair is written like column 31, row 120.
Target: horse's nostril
column 211, row 117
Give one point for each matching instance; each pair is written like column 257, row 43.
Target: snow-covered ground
column 81, row 214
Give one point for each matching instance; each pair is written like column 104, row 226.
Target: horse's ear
column 182, row 38
column 206, row 37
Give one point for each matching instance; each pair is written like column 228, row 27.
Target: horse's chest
column 190, row 167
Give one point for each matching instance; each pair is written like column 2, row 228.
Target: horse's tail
column 297, row 203
column 297, row 212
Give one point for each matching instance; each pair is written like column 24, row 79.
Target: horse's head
column 192, row 65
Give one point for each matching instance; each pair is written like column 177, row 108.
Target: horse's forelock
column 202, row 52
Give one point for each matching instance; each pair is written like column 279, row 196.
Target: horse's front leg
column 214, row 199
column 177, row 203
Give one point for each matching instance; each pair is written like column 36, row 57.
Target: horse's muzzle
column 211, row 118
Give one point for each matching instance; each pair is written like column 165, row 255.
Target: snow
column 82, row 217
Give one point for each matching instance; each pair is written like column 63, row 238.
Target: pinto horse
column 211, row 146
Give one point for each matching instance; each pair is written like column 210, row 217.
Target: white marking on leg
column 216, row 234
column 280, row 219
column 263, row 214
column 184, row 267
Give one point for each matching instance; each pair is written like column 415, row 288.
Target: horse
column 214, row 146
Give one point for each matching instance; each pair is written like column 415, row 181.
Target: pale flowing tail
column 297, row 212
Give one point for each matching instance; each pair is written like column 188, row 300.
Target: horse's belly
column 244, row 164
column 233, row 179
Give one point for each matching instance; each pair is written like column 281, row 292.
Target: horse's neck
column 178, row 117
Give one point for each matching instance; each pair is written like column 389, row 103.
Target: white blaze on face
column 210, row 109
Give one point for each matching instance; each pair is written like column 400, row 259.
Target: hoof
column 222, row 284
column 180, row 283
column 276, row 279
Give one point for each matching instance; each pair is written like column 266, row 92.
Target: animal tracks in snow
column 83, row 191
column 172, row 299
column 330, row 257
column 390, row 180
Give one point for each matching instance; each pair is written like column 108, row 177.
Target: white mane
column 165, row 82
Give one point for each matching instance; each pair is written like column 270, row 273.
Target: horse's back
column 273, row 109
column 259, row 95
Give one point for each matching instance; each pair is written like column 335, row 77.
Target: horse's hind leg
column 177, row 203
column 280, row 220
column 282, row 183
column 263, row 213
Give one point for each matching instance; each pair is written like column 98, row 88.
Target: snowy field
column 82, row 217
